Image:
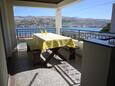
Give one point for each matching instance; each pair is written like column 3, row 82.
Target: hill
column 49, row 21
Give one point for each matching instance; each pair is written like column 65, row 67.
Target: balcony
column 79, row 36
column 68, row 72
column 20, row 67
column 26, row 68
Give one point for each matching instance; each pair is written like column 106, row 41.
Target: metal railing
column 78, row 34
column 27, row 33
column 84, row 34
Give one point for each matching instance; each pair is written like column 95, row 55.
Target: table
column 44, row 41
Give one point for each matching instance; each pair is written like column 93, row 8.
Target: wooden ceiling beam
column 34, row 4
column 62, row 4
column 44, row 1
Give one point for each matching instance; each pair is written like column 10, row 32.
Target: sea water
column 81, row 28
column 53, row 30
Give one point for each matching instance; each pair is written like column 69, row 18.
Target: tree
column 107, row 28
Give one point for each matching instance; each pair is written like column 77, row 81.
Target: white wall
column 8, row 23
column 113, row 20
column 3, row 67
column 95, row 64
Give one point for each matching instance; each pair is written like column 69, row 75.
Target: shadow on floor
column 22, row 61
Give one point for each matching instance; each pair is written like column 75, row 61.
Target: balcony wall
column 3, row 67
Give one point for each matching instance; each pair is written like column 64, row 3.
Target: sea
column 52, row 30
column 81, row 28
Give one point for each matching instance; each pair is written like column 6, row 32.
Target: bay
column 63, row 29
column 81, row 28
column 27, row 31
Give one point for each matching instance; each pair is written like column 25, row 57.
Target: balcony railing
column 84, row 34
column 27, row 33
column 78, row 34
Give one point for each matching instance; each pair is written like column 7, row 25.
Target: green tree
column 107, row 28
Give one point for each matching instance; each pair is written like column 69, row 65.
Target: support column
column 8, row 26
column 58, row 20
column 113, row 20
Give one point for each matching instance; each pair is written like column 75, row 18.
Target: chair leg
column 28, row 48
column 72, row 53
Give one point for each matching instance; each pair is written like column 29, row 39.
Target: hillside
column 49, row 21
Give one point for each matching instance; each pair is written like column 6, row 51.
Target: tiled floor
column 27, row 70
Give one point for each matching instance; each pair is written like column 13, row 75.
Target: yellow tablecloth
column 50, row 40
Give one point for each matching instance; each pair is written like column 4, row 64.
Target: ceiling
column 45, row 1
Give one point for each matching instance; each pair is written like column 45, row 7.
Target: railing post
column 78, row 34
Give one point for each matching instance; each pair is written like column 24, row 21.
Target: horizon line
column 62, row 16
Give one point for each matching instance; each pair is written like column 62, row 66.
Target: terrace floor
column 27, row 69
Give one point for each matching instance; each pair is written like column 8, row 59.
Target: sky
column 98, row 9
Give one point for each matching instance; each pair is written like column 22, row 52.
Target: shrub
column 106, row 29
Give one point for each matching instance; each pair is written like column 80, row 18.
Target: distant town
column 49, row 22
